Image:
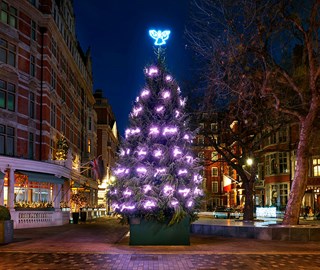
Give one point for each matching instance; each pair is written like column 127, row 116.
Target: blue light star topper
column 159, row 36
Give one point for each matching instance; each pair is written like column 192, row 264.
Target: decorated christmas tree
column 157, row 175
column 62, row 149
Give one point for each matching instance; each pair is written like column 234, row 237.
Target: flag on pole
column 98, row 168
column 227, row 183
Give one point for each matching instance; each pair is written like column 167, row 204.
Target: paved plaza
column 103, row 244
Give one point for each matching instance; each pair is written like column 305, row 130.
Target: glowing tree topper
column 159, row 36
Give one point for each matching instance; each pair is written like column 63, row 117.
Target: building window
column 6, row 140
column 276, row 163
column 63, row 94
column 53, row 80
column 215, row 187
column 8, row 14
column 7, row 52
column 214, row 171
column 271, row 164
column 53, row 115
column 54, row 48
column 316, row 166
column 31, row 105
column 214, row 127
column 283, row 135
column 63, row 124
column 201, row 140
column 33, row 2
column 214, row 156
column 283, row 162
column 90, row 123
column 204, row 183
column 32, row 66
column 283, row 189
column 201, row 155
column 33, row 30
column 89, row 146
column 71, row 135
column 201, row 125
column 31, row 146
column 7, row 95
column 260, row 172
column 273, row 138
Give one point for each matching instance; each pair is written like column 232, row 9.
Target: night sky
column 117, row 32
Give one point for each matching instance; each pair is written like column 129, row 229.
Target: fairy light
column 141, row 170
column 176, row 152
column 184, row 192
column 166, row 94
column 145, row 93
column 160, row 109
column 154, row 131
column 168, row 130
column 142, row 152
column 149, row 204
column 147, row 188
column 127, row 193
column 167, row 190
column 159, row 171
column 136, row 111
column 183, row 171
column 158, row 153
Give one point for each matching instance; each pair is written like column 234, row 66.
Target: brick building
column 108, row 141
column 276, row 160
column 47, row 120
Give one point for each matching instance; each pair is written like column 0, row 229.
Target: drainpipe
column 42, row 31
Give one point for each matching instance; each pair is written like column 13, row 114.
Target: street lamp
column 249, row 161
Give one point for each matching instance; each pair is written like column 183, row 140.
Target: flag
column 98, row 168
column 227, row 182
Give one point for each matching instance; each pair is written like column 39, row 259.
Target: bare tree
column 269, row 49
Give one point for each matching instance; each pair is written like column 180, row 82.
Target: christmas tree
column 157, row 176
column 62, row 149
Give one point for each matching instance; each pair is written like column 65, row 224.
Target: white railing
column 35, row 219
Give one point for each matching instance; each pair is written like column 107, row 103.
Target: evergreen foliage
column 157, row 174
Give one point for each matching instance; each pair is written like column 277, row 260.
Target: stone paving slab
column 104, row 244
column 61, row 261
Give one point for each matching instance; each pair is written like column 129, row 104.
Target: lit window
column 215, row 188
column 214, row 171
column 316, row 166
column 214, row 156
column 89, row 146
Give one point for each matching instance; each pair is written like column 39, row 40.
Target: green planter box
column 6, row 231
column 146, row 232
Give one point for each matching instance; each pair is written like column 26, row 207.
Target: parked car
column 226, row 212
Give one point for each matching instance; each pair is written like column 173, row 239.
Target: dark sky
column 117, row 32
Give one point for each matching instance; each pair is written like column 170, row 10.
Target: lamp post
column 249, row 161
